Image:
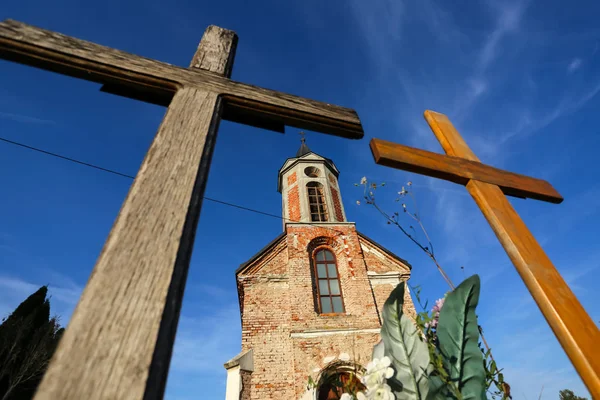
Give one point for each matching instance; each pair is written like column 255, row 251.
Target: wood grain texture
column 78, row 58
column 452, row 142
column 216, row 51
column 119, row 342
column 120, row 337
column 460, row 171
column 572, row 326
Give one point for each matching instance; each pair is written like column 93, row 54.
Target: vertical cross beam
column 147, row 255
column 572, row 326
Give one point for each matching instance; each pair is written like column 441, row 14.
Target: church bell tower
column 311, row 299
column 308, row 184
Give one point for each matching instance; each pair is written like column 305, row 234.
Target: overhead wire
column 114, row 172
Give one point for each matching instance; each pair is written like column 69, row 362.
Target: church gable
column 380, row 260
column 271, row 260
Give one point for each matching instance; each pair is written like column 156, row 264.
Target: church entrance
column 333, row 384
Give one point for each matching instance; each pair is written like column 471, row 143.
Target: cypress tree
column 28, row 338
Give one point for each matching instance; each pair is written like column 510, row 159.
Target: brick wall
column 331, row 179
column 337, row 205
column 246, row 385
column 360, row 309
column 265, row 329
column 290, row 339
column 312, row 355
column 294, row 204
column 382, row 292
column 292, row 178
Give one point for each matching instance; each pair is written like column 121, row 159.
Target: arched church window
column 316, row 202
column 329, row 292
column 334, row 385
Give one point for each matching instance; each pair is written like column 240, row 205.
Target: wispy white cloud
column 63, row 295
column 527, row 367
column 574, row 65
column 508, row 20
column 508, row 16
column 203, row 341
column 379, row 23
column 569, row 103
column 26, row 118
column 578, row 207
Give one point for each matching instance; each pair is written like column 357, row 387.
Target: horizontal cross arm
column 146, row 78
column 459, row 170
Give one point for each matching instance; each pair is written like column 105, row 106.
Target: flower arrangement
column 438, row 355
column 436, row 358
column 495, row 385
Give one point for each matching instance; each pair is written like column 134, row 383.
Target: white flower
column 381, row 392
column 377, row 372
column 363, row 180
column 346, row 396
column 374, row 379
column 361, row 396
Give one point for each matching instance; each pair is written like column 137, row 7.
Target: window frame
column 328, row 279
column 321, row 201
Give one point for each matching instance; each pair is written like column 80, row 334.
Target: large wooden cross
column 119, row 341
column 573, row 327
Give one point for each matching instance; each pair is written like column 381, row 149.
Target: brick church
column 311, row 300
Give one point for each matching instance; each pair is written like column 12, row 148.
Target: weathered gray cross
column 119, row 341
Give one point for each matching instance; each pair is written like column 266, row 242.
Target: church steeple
column 309, row 187
column 303, row 147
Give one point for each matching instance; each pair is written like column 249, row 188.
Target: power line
column 245, row 208
column 133, row 177
column 67, row 158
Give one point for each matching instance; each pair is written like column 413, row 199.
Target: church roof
column 283, row 235
column 388, row 252
column 262, row 251
column 303, row 149
column 303, row 155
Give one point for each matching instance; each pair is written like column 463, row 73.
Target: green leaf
column 458, row 337
column 404, row 346
column 437, row 389
column 378, row 350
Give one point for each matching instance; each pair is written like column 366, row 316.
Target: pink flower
column 439, row 303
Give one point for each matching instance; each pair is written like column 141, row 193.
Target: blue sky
column 520, row 79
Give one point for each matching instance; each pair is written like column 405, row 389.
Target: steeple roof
column 305, row 155
column 303, row 147
column 302, row 150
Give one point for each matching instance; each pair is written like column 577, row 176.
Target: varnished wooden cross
column 573, row 327
column 119, row 341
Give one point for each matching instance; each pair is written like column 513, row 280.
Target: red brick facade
column 337, row 205
column 332, row 179
column 292, row 178
column 280, row 320
column 294, row 204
